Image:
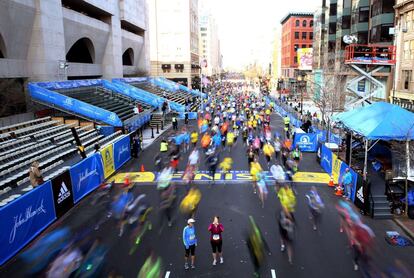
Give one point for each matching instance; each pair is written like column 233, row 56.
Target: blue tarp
column 73, row 105
column 144, row 94
column 122, row 88
column 380, row 120
column 70, row 84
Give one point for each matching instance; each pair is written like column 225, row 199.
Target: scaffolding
column 366, row 60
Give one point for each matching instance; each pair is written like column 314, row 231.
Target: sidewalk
column 147, row 139
column 406, row 224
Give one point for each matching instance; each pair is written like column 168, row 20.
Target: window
column 412, row 49
column 203, row 29
column 296, row 35
column 203, row 34
column 297, row 23
column 303, row 45
column 304, row 23
column 310, row 46
column 296, row 47
column 303, row 35
column 363, row 14
column 311, row 23
column 346, row 22
column 311, row 35
column 332, row 9
column 332, row 28
column 381, row 33
column 295, row 60
column 407, row 53
column 406, row 76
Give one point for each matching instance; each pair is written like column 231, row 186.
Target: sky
column 247, row 28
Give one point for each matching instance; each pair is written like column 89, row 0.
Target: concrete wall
column 37, row 34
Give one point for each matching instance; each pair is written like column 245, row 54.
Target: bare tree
column 329, row 90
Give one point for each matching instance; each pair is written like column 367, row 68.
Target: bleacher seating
column 179, row 96
column 47, row 141
column 106, row 99
column 102, row 142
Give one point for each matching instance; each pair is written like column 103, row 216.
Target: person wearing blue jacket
column 190, row 243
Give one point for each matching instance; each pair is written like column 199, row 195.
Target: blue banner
column 70, row 84
column 191, row 115
column 326, row 159
column 73, row 105
column 132, row 92
column 307, row 142
column 122, row 152
column 86, row 176
column 137, row 121
column 24, row 219
column 105, row 130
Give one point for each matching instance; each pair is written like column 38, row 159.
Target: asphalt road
column 321, row 253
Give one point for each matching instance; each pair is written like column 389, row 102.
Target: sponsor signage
column 326, row 159
column 122, row 152
column 62, row 193
column 24, row 219
column 86, row 176
column 307, row 142
column 107, row 155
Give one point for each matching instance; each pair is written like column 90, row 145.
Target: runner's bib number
column 216, row 237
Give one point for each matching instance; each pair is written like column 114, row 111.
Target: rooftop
column 301, row 14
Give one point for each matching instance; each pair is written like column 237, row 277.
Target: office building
column 403, row 91
column 297, row 32
column 174, row 40
column 43, row 40
column 209, row 44
column 367, row 22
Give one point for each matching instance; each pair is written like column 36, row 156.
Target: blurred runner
column 151, row 268
column 286, row 230
column 315, row 206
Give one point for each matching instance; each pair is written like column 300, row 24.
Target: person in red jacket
column 216, row 239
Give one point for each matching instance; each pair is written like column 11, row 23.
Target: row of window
column 304, row 23
column 409, row 50
column 304, row 35
column 296, row 46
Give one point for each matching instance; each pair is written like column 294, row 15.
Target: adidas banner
column 62, row 193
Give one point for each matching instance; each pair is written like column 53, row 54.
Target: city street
column 321, row 253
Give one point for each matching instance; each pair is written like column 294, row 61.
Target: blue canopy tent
column 380, row 121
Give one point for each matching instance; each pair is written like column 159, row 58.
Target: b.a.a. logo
column 64, row 193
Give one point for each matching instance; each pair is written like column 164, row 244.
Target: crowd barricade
column 27, row 216
column 336, row 168
column 191, row 115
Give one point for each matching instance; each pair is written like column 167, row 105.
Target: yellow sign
column 311, row 177
column 134, row 177
column 147, row 177
column 107, row 154
column 336, row 167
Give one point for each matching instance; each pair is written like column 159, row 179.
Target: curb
column 404, row 228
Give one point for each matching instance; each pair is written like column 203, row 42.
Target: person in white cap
column 190, row 243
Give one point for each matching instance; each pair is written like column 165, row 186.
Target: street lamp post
column 302, row 86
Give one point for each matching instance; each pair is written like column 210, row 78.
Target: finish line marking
column 167, row 274
column 205, row 177
column 273, row 273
